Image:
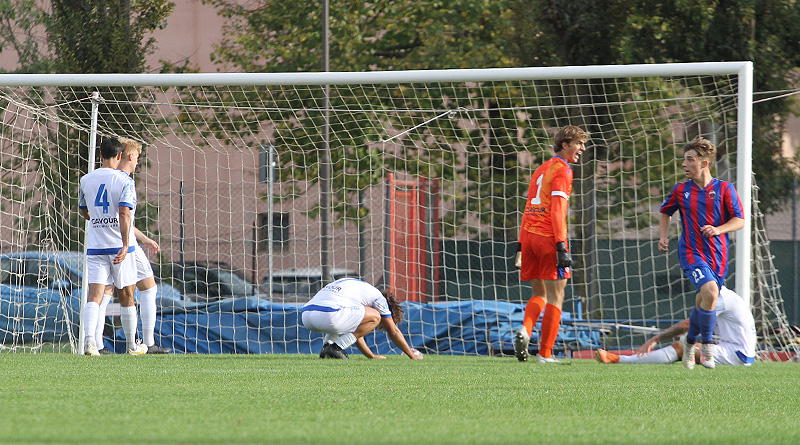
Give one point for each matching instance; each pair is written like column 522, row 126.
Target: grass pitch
column 63, row 398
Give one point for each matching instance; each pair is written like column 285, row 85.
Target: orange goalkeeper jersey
column 548, row 199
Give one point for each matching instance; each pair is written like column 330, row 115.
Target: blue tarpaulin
column 253, row 325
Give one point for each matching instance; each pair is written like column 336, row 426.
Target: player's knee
column 708, row 295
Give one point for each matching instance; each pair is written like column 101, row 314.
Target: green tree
column 650, row 31
column 270, row 36
column 765, row 32
column 89, row 36
column 20, row 21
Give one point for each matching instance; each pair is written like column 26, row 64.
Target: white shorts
column 725, row 354
column 102, row 270
column 344, row 321
column 143, row 267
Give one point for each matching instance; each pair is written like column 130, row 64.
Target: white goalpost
column 427, row 175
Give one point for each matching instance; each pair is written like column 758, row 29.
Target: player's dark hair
column 394, row 307
column 568, row 134
column 704, row 148
column 110, row 147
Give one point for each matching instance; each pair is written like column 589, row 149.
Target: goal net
column 261, row 187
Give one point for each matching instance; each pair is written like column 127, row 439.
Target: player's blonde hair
column 704, row 148
column 568, row 134
column 130, row 146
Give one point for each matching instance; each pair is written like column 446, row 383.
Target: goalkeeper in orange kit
column 543, row 255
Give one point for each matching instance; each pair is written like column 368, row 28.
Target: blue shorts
column 700, row 273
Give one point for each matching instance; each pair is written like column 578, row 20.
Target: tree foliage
column 280, row 37
column 95, row 36
column 271, row 36
column 765, row 32
column 88, row 36
column 20, row 23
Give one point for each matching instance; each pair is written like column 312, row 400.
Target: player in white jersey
column 348, row 309
column 735, row 327
column 108, row 202
column 145, row 279
column 146, row 283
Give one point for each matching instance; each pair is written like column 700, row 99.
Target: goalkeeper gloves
column 564, row 257
column 518, row 256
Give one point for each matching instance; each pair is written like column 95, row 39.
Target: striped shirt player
column 346, row 310
column 543, row 256
column 710, row 208
column 714, row 205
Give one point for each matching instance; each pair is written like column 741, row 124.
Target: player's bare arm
column 146, row 242
column 671, row 332
column 732, row 225
column 397, row 338
column 125, row 219
column 663, row 228
column 362, row 346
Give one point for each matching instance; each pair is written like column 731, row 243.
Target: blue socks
column 701, row 324
column 707, row 321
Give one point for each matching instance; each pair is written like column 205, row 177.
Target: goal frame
column 743, row 70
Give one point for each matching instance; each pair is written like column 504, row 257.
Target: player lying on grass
column 735, row 327
column 348, row 309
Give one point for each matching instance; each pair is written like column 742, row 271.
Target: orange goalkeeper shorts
column 539, row 258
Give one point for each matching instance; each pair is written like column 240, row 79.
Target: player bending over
column 734, row 326
column 348, row 309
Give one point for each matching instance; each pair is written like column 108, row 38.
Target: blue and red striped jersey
column 714, row 205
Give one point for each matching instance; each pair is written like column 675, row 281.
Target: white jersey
column 102, row 193
column 735, row 324
column 349, row 292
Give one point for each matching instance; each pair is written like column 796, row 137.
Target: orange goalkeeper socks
column 551, row 321
column 532, row 311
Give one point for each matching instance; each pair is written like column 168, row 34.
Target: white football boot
column 521, row 342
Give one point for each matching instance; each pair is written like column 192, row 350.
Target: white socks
column 129, row 321
column 663, row 356
column 90, row 311
column 344, row 341
column 101, row 322
column 147, row 309
column 128, row 317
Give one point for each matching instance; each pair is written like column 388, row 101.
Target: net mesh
column 422, row 193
